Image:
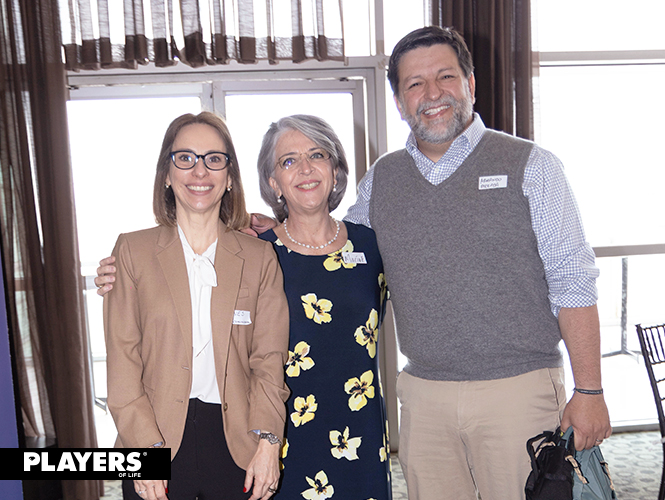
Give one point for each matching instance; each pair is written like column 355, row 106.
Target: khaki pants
column 458, row 439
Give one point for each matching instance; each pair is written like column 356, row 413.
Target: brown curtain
column 39, row 245
column 125, row 33
column 498, row 33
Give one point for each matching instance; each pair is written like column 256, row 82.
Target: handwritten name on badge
column 492, row 182
column 241, row 318
column 354, row 258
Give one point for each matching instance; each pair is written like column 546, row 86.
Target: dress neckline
column 275, row 239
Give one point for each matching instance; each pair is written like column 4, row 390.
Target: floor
column 635, row 460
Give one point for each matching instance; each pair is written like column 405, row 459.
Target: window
column 116, row 135
column 130, row 110
column 600, row 103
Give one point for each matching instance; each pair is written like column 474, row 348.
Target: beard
column 431, row 133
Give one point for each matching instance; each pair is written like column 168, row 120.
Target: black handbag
column 551, row 476
column 558, row 472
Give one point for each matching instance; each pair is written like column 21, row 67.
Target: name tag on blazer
column 241, row 317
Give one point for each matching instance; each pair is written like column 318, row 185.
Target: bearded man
column 488, row 268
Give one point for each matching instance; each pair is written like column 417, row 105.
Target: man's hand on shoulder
column 105, row 275
column 260, row 224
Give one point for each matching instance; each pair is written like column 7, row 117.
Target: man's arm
column 567, row 257
column 571, row 277
column 587, row 413
column 358, row 213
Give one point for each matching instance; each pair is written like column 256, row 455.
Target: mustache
column 444, row 101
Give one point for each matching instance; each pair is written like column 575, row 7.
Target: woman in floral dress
column 336, row 443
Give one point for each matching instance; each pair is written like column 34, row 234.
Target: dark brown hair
column 426, row 37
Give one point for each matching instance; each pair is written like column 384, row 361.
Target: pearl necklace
column 320, row 247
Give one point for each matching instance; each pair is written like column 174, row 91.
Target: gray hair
column 318, row 131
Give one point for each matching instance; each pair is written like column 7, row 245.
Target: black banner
column 85, row 463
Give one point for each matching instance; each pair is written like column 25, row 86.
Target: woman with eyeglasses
column 336, row 439
column 197, row 329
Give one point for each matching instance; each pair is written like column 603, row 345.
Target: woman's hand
column 151, row 490
column 263, row 471
column 105, row 276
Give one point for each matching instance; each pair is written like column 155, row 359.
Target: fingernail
column 244, row 490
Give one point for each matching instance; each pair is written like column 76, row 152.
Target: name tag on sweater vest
column 492, row 182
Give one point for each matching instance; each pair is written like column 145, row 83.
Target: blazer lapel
column 172, row 261
column 228, row 266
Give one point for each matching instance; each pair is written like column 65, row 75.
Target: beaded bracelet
column 589, row 391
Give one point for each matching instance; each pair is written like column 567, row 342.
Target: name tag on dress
column 492, row 182
column 354, row 258
column 241, row 318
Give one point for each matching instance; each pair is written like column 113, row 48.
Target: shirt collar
column 189, row 251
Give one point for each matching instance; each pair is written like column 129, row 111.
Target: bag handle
column 532, row 453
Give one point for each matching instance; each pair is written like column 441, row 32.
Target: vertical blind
column 125, row 33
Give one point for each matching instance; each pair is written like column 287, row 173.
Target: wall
column 9, row 490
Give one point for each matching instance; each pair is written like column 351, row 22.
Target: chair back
column 652, row 343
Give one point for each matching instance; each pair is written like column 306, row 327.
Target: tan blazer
column 148, row 329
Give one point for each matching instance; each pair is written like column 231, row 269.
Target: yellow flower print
column 335, row 260
column 283, row 452
column 305, row 410
column 320, row 489
column 367, row 335
column 384, row 452
column 343, row 446
column 298, row 359
column 383, row 286
column 279, row 243
column 317, row 309
column 360, row 390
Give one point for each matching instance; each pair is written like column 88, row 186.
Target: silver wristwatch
column 272, row 439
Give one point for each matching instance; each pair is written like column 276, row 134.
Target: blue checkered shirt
column 568, row 259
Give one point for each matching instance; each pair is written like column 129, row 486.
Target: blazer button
column 226, row 406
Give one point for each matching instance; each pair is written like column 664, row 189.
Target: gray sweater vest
column 461, row 260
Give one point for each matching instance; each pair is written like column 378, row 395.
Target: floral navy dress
column 336, row 442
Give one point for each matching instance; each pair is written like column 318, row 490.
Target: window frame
column 363, row 77
column 552, row 59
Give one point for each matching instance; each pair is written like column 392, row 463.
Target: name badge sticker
column 241, row 318
column 354, row 258
column 492, row 182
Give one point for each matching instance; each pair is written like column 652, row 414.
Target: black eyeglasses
column 186, row 160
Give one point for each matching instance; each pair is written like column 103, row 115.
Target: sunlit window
column 600, row 103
